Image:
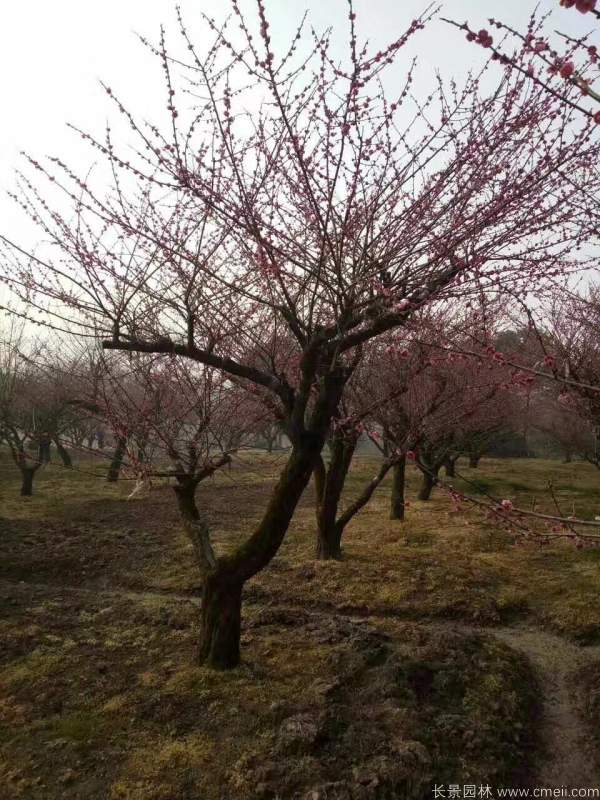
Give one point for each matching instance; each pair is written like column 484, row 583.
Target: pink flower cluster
column 583, row 6
column 483, row 38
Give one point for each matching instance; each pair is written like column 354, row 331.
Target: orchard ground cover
column 438, row 649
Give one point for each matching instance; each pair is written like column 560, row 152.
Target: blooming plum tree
column 291, row 210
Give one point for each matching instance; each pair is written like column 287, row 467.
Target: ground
column 440, row 650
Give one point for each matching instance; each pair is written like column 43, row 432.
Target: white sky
column 52, row 55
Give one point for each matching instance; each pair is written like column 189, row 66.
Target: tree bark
column 450, row 466
column 117, row 460
column 320, row 477
column 27, row 474
column 329, row 534
column 220, row 622
column 64, row 454
column 44, row 454
column 385, row 445
column 329, row 543
column 195, row 525
column 330, row 546
column 221, row 608
column 427, row 485
column 398, row 484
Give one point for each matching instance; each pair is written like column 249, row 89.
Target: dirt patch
column 360, row 679
column 100, row 699
column 567, row 757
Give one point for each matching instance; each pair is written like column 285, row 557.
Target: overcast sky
column 52, row 55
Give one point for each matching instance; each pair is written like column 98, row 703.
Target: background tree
column 364, row 398
column 179, row 420
column 18, row 389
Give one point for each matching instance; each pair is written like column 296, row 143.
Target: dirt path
column 564, row 760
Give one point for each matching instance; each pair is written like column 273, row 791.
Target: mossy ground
column 99, row 695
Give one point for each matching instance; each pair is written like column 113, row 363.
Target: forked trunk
column 330, row 525
column 194, row 523
column 398, row 484
column 117, row 460
column 221, row 609
column 429, row 481
column 221, row 621
column 329, row 486
column 221, row 606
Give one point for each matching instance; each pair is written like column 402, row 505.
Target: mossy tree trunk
column 220, row 623
column 309, row 409
column 223, row 584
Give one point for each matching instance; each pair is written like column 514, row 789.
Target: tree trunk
column 450, row 466
column 44, row 456
column 117, row 460
column 429, row 482
column 64, row 454
column 220, row 622
column 319, row 477
column 194, row 523
column 221, row 606
column 329, row 534
column 221, row 611
column 398, row 483
column 330, row 546
column 385, row 445
column 474, row 460
column 329, row 542
column 568, row 457
column 27, row 474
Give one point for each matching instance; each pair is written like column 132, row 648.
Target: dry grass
column 99, row 695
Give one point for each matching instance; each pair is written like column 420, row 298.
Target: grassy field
column 424, row 656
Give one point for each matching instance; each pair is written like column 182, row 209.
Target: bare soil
column 438, row 651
